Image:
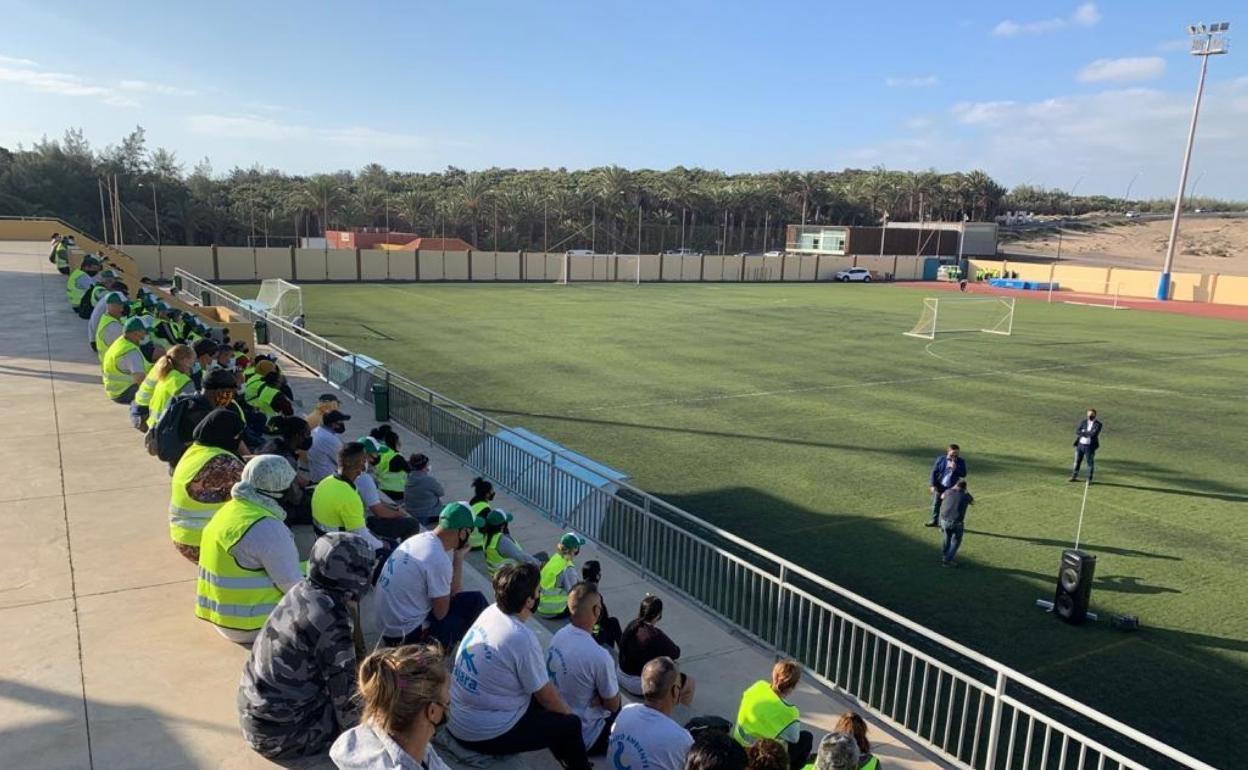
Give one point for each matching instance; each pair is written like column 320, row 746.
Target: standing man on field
column 948, row 469
column 1087, row 441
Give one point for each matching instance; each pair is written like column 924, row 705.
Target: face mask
column 196, row 368
column 339, row 428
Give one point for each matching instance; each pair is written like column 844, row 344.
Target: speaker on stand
column 1074, row 586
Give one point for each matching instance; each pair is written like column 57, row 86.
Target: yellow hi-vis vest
column 187, row 516
column 762, row 714
column 115, row 380
column 251, row 387
column 60, row 253
column 229, row 595
column 263, row 400
column 166, row 389
column 101, row 344
column 387, row 480
column 494, row 561
column 554, row 601
column 476, row 539
column 72, row 292
column 336, row 505
column 143, row 397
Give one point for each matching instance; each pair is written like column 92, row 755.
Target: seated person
column 422, row 494
column 205, row 355
column 644, row 734
column 298, row 687
column 419, row 590
column 607, row 630
column 765, row 712
column 502, row 699
column 291, row 440
column 764, row 754
column 203, row 479
column 837, row 751
column 501, row 548
column 325, row 403
column 851, row 723
column 247, row 556
column 642, row 642
column 386, row 519
column 482, row 498
column 264, row 391
column 713, row 750
column 559, row 575
column 336, row 503
column 406, row 696
column 583, row 671
column 123, row 366
column 169, row 378
column 217, row 393
column 391, row 468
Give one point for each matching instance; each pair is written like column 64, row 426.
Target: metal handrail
column 1003, row 675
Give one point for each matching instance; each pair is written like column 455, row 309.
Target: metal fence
column 968, row 709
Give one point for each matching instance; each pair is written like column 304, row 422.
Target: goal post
column 280, row 298
column 950, row 315
column 1106, row 294
column 586, row 268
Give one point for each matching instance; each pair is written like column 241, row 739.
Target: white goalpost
column 948, row 315
column 280, row 298
column 1090, row 293
column 585, row 268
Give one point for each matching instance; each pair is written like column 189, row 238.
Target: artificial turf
column 799, row 417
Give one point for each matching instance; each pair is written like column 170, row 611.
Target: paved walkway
column 105, row 664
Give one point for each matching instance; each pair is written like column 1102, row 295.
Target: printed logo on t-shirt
column 551, row 663
column 621, row 743
column 466, row 669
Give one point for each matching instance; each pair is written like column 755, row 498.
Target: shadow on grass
column 1229, row 497
column 1066, row 543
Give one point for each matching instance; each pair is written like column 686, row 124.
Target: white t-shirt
column 418, row 572
column 498, row 667
column 366, row 485
column 581, row 669
column 323, row 455
column 647, row 739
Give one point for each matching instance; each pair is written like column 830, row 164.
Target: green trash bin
column 177, row 283
column 205, row 298
column 262, row 332
column 381, row 402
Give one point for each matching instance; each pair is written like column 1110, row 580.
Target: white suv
column 854, row 274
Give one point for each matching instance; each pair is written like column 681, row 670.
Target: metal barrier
column 970, row 710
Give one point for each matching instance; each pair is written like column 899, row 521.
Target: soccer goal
column 582, row 268
column 280, row 298
column 1090, row 293
column 948, row 315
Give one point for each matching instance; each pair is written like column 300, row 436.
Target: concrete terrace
column 105, row 665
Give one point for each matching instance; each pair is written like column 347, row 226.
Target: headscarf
column 265, row 479
column 222, row 428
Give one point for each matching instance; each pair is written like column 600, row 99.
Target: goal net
column 948, row 315
column 582, row 268
column 280, row 298
column 1091, row 293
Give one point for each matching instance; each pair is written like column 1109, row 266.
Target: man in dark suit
column 946, row 471
column 1087, row 441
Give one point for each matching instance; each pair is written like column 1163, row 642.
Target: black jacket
column 1093, row 433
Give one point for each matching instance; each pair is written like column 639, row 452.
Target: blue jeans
column 463, row 612
column 1082, row 452
column 952, row 542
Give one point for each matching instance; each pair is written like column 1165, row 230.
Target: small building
column 391, row 240
column 932, row 239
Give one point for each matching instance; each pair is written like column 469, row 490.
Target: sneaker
column 1073, row 478
column 930, row 524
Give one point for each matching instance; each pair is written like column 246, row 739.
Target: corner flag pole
column 1082, row 507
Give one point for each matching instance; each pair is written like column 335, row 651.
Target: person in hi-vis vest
column 559, row 576
column 765, row 712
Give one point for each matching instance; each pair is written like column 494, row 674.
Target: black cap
column 335, row 416
column 327, row 397
column 220, row 379
column 205, row 347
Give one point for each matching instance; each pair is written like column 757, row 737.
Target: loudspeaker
column 1074, row 585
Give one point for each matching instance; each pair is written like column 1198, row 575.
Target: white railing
column 967, row 708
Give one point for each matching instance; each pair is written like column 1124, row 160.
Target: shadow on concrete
column 42, row 374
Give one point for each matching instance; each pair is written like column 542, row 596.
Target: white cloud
column 12, row 62
column 267, row 129
column 1086, row 15
column 974, row 113
column 145, row 86
column 1125, row 70
column 27, row 74
column 1174, row 46
column 917, row 81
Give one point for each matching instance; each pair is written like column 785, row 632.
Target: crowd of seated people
column 244, row 469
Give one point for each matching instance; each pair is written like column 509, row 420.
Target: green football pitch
column 802, row 419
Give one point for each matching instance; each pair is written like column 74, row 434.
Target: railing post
column 550, row 505
column 645, row 538
column 994, row 724
column 430, row 434
column 775, row 635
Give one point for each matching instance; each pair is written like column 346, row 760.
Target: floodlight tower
column 1207, row 40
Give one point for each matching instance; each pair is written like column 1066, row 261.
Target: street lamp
column 1191, row 194
column 160, row 260
column 1127, row 198
column 1207, row 40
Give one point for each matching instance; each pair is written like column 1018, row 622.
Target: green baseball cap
column 497, row 517
column 458, row 516
column 134, row 324
column 572, row 541
column 90, row 261
column 114, row 298
column 370, row 445
column 108, row 273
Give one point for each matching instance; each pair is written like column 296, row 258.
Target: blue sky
column 1053, row 93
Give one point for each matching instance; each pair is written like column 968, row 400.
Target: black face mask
column 305, row 444
column 339, row 428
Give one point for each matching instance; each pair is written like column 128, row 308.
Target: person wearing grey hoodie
column 406, row 694
column 298, row 688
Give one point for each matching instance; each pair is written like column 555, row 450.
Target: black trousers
column 799, row 752
column 540, row 729
column 393, row 529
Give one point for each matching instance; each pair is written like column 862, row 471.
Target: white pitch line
column 904, row 381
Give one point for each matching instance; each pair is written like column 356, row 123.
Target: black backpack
column 84, row 305
column 164, row 439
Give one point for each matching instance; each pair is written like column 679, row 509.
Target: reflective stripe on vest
column 188, row 516
column 554, row 601
column 144, row 395
column 479, row 509
column 387, row 480
column 494, row 561
column 166, row 389
column 227, row 594
column 115, row 380
column 61, row 254
column 101, row 345
column 72, row 292
column 762, row 714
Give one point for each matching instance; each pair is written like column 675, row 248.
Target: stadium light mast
column 1207, row 40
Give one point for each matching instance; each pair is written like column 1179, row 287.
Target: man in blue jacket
column 1087, row 441
column 948, row 469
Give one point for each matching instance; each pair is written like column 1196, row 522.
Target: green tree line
column 609, row 209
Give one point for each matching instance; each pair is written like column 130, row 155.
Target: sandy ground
column 1206, row 245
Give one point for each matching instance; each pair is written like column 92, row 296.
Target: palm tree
column 474, row 193
column 322, row 193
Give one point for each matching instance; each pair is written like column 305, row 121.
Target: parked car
column 681, row 253
column 773, row 253
column 854, row 274
column 1132, row 214
column 580, row 252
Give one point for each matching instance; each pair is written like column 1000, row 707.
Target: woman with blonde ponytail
column 406, row 696
column 170, row 376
